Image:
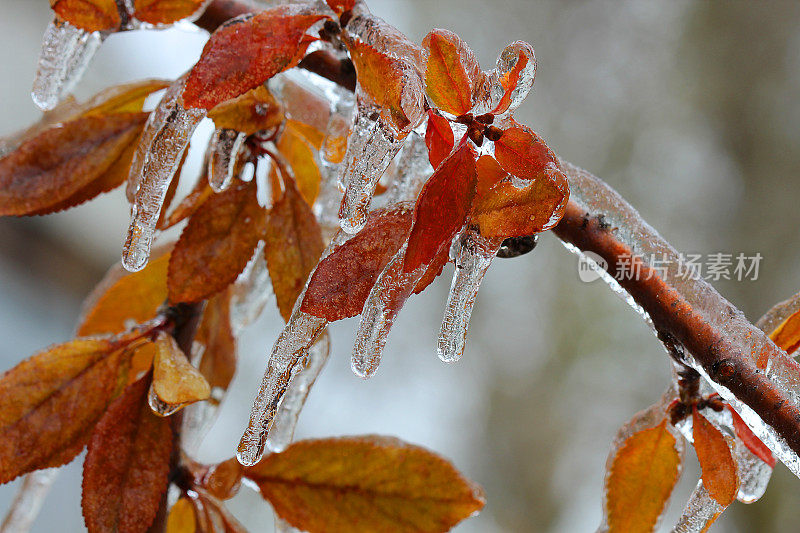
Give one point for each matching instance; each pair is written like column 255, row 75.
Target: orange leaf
column 787, row 334
column 523, row 58
column 506, row 211
column 244, row 54
column 640, row 480
column 292, row 144
column 341, row 6
column 216, row 244
column 366, row 483
column 181, row 518
column 719, row 468
column 293, row 247
column 254, row 111
column 127, row 98
column 750, row 440
column 175, row 380
column 442, row 208
column 218, row 363
column 223, row 480
column 60, row 162
column 165, row 11
column 450, row 71
column 49, row 401
column 489, row 174
column 126, row 467
column 89, row 15
column 438, row 138
column 523, row 153
column 342, row 281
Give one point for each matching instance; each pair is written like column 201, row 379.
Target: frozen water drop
column 227, row 147
column 159, row 407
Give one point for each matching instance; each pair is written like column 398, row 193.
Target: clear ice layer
column 700, row 512
column 251, row 292
column 226, row 148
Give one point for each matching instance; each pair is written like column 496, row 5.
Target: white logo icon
column 590, row 266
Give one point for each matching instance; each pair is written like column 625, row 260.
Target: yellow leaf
column 254, row 111
column 181, row 517
column 175, row 380
column 298, row 153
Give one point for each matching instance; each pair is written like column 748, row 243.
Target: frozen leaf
column 254, row 111
column 295, row 147
column 175, row 380
column 433, row 270
column 216, row 244
column 750, row 440
column 49, row 401
column 245, row 53
column 450, row 72
column 127, row 463
column 181, row 518
column 62, row 165
column 719, row 468
column 218, row 362
column 700, row 513
column 224, row 479
column 190, row 204
column 641, row 479
column 442, row 208
column 342, row 281
column 166, row 11
column 787, row 334
column 365, row 483
column 293, row 246
column 505, row 211
column 513, row 76
column 341, row 6
column 127, row 98
column 523, row 153
column 438, row 138
column 89, row 15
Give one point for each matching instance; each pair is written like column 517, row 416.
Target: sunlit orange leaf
column 438, row 138
column 123, row 297
column 366, row 483
column 218, row 363
column 641, row 479
column 787, row 335
column 181, row 518
column 523, row 153
column 342, row 281
column 292, row 144
column 128, row 98
column 165, row 11
column 216, row 244
column 49, row 401
column 223, row 480
column 89, row 15
column 243, row 55
column 750, row 440
column 127, row 463
column 254, row 111
column 63, row 160
column 505, row 211
column 442, row 208
column 293, row 247
column 341, row 6
column 450, row 71
column 719, row 467
column 175, row 380
column 489, row 174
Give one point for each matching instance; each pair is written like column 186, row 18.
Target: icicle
column 282, row 431
column 155, row 162
column 700, row 512
column 66, row 52
column 370, row 149
column 472, row 255
column 28, row 501
column 251, row 292
column 227, row 146
column 411, row 172
column 160, row 407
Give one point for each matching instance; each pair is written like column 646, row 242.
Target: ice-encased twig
column 700, row 512
column 226, row 147
column 164, row 139
column 411, row 172
column 718, row 317
column 66, row 52
column 28, row 501
column 251, row 291
column 472, row 255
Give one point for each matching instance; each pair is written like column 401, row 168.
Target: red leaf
column 433, row 271
column 127, row 464
column 750, row 440
column 450, row 71
column 523, row 153
column 243, row 55
column 719, row 468
column 442, row 208
column 341, row 6
column 438, row 138
column 342, row 281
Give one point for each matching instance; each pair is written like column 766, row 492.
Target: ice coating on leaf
column 473, row 255
column 410, row 173
column 511, row 80
column 227, row 146
column 282, row 431
column 66, row 53
column 157, row 158
column 251, row 292
column 28, row 501
column 159, row 407
column 773, row 318
column 700, row 512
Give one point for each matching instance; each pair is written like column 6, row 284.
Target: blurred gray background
column 690, row 109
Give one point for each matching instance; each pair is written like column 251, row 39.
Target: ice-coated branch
column 28, row 501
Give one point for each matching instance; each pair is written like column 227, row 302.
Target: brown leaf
column 175, row 380
column 127, row 463
column 365, row 484
column 54, row 166
column 216, row 244
column 89, row 15
column 182, row 517
column 49, row 401
column 254, row 111
column 523, row 153
column 293, row 247
column 165, row 11
column 342, row 281
column 438, row 138
column 297, row 151
column 243, row 55
column 450, row 71
column 191, row 203
column 218, row 363
column 719, row 468
column 641, row 479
